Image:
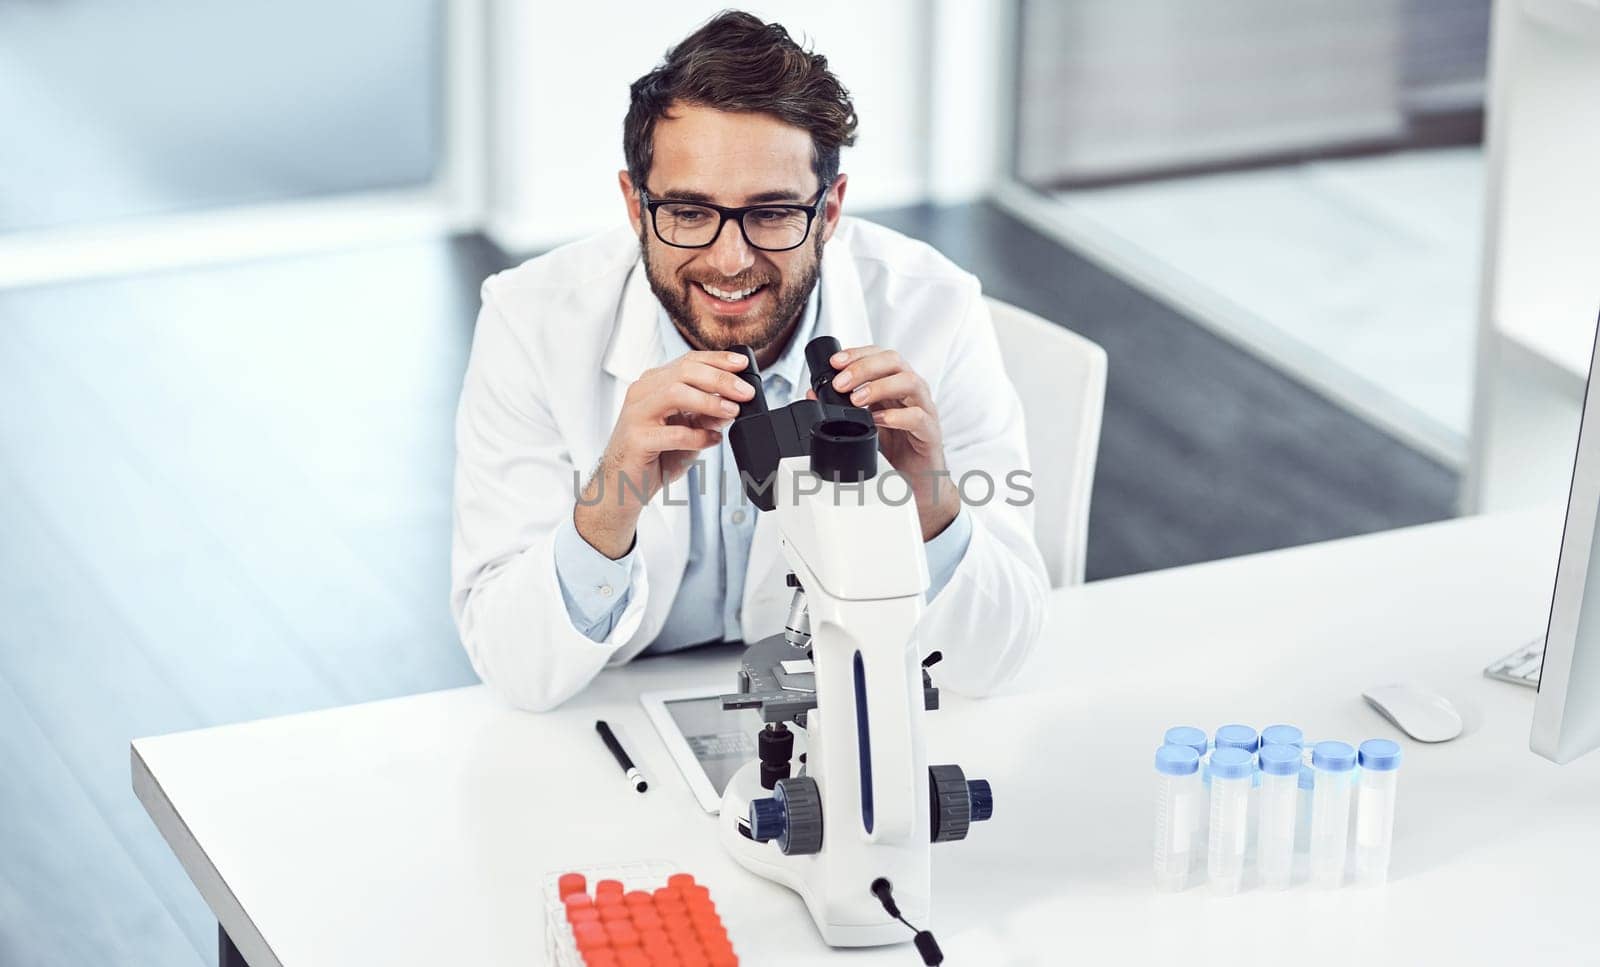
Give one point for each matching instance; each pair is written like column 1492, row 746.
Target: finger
column 905, row 388
column 864, row 369
column 731, row 362
column 669, row 437
column 710, row 379
column 683, row 398
column 843, row 357
column 699, row 420
column 914, row 420
column 811, row 394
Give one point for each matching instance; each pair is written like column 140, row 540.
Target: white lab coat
column 559, row 339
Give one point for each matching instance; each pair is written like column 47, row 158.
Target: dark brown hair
column 737, row 63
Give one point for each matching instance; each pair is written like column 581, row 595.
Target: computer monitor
column 1566, row 715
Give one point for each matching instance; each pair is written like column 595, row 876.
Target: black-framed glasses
column 694, row 224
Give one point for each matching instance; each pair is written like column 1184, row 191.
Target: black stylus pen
column 635, row 778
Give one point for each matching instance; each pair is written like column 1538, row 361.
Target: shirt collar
column 790, row 366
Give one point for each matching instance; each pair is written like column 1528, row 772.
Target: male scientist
column 598, row 510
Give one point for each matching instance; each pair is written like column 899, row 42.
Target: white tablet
column 708, row 744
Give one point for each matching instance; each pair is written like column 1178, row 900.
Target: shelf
column 1560, row 354
column 1576, row 18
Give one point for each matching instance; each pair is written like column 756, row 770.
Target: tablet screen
column 722, row 741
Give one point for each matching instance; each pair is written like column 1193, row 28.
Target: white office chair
column 1061, row 378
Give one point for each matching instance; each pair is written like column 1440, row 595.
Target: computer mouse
column 1425, row 716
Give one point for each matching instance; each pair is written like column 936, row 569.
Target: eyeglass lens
column 681, row 223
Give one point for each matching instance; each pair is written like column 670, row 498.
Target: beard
column 758, row 330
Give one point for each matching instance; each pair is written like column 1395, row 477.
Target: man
column 600, row 372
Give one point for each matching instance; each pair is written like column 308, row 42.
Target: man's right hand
column 668, row 416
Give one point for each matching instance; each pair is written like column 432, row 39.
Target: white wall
column 104, row 115
column 971, row 97
column 1541, row 269
column 1112, row 87
column 558, row 89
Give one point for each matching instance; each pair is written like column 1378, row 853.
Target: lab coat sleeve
column 514, row 488
column 988, row 617
column 946, row 550
column 594, row 587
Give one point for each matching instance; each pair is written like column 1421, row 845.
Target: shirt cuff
column 946, row 550
column 594, row 587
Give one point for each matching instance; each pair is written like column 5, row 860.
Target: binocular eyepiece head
column 840, row 440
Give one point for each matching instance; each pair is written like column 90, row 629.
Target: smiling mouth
column 730, row 296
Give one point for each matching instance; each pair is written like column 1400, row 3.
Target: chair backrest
column 1061, row 378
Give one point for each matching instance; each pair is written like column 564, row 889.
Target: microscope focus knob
column 766, row 819
column 792, row 816
column 949, row 808
column 802, row 816
column 982, row 798
column 956, row 802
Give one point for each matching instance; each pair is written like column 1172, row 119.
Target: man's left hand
column 908, row 427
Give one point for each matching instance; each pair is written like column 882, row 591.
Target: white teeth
column 727, row 295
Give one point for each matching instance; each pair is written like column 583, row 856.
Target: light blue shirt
column 722, row 523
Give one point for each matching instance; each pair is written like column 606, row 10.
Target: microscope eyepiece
column 844, row 451
column 750, row 374
column 818, row 353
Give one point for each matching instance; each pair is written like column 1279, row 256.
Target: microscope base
column 873, row 928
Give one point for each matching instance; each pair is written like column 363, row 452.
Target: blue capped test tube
column 1238, row 737
column 1245, row 739
column 1279, row 805
column 1187, row 735
column 1177, row 801
column 1380, row 768
column 1302, row 824
column 1334, row 765
column 1282, row 735
column 1193, row 738
column 1232, row 770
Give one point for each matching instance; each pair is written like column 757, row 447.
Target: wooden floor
column 225, row 494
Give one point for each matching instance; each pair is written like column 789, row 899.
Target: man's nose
column 729, row 254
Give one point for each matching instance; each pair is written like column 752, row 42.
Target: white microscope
column 851, row 832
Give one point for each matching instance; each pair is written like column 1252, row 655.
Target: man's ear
column 630, row 197
column 833, row 205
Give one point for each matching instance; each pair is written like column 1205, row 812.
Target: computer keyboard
column 1521, row 667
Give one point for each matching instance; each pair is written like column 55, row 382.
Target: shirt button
column 738, row 517
column 605, row 590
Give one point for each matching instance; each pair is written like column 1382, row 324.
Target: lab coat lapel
column 635, row 339
column 843, row 305
column 636, row 346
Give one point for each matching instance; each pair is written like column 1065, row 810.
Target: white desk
column 415, row 831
